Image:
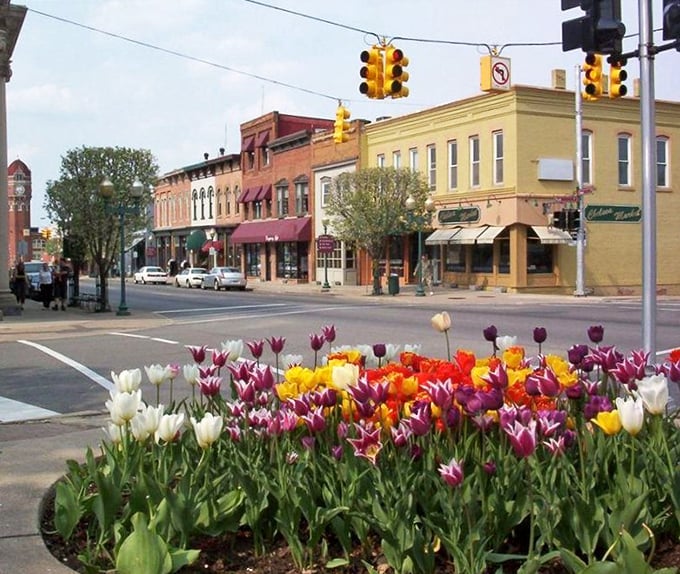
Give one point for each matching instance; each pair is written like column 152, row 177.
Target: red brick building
column 20, row 236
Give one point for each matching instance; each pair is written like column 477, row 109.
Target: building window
column 251, row 159
column 586, row 156
column 453, row 164
column 396, row 159
column 237, row 205
column 482, row 259
column 455, row 258
column 539, row 256
column 301, row 198
column 432, row 166
column 282, row 200
column 624, row 159
column 380, row 160
column 227, row 202
column 474, row 161
column 413, row 159
column 257, row 210
column 194, row 199
column 662, row 162
column 498, row 158
column 292, row 260
column 211, row 202
column 325, row 190
column 265, row 156
column 251, row 253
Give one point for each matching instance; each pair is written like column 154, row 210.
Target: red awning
column 275, row 230
column 266, row 192
column 262, row 139
column 249, row 194
column 248, row 143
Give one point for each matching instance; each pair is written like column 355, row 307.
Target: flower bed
column 434, row 461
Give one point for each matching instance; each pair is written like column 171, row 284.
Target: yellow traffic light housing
column 395, row 74
column 592, row 80
column 372, row 73
column 341, row 126
column 617, row 75
column 46, row 233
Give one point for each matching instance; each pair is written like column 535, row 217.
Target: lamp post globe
column 420, row 219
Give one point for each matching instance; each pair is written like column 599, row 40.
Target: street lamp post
column 106, row 191
column 420, row 219
column 326, row 285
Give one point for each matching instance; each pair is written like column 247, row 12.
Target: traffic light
column 599, row 30
column 617, row 75
column 395, row 74
column 573, row 220
column 46, row 233
column 671, row 19
column 559, row 220
column 592, row 71
column 372, row 72
column 341, row 126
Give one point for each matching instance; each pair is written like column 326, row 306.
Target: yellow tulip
column 609, row 422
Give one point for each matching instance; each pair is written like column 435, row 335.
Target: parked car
column 224, row 278
column 190, row 277
column 150, row 274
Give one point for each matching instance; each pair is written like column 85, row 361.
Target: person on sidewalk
column 46, row 285
column 61, row 272
column 425, row 267
column 19, row 282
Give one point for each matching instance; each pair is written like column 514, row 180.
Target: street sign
column 325, row 243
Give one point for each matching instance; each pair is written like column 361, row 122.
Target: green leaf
column 337, row 563
column 602, row 568
column 143, row 551
column 66, row 510
column 181, row 558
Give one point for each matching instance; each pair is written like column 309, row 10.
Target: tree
column 368, row 206
column 74, row 203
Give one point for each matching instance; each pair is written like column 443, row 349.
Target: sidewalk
column 33, row 454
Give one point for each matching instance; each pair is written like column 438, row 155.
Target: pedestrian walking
column 61, row 273
column 424, row 271
column 46, row 283
column 20, row 282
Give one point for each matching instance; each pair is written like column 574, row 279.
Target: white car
column 150, row 274
column 190, row 277
column 224, row 278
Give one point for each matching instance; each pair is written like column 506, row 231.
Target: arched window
column 211, row 200
column 194, row 197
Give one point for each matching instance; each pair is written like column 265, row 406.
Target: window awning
column 248, row 143
column 549, row 235
column 466, row 236
column 441, row 236
column 249, row 194
column 264, row 192
column 216, row 245
column 489, row 234
column 275, row 230
column 262, row 139
column 135, row 242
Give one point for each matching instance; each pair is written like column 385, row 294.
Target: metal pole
column 122, row 307
column 580, row 232
column 326, row 284
column 648, row 137
column 420, row 291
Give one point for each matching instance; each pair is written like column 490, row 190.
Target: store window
column 503, row 241
column 251, row 252
column 292, row 261
column 482, row 259
column 455, row 258
column 539, row 255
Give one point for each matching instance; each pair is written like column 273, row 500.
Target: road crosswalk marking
column 12, row 411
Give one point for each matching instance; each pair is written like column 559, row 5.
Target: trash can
column 393, row 284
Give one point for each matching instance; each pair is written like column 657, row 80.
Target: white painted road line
column 11, row 411
column 90, row 374
column 132, row 335
column 231, row 308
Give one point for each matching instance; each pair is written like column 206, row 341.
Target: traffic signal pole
column 580, row 232
column 648, row 137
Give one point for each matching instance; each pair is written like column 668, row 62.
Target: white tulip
column 345, row 376
column 191, row 374
column 169, row 427
column 207, row 430
column 289, row 360
column 146, row 422
column 441, row 321
column 123, row 406
column 114, row 433
column 504, row 342
column 127, row 381
column 653, row 391
column 157, row 374
column 631, row 413
column 234, row 349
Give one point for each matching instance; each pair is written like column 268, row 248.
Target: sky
column 178, row 77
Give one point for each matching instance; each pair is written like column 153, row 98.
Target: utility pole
column 580, row 232
column 648, row 137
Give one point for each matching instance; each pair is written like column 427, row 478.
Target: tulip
column 156, row 374
column 540, row 335
column 368, row 445
column 123, row 406
column 596, row 333
column 653, row 391
column 329, row 333
column 169, row 427
column 207, row 371
column 127, row 381
column 522, row 438
column 379, row 351
column 233, row 348
column 256, row 348
column 276, row 344
column 315, row 420
column 441, row 322
column 452, row 473
column 632, row 413
column 208, row 430
column 576, row 354
column 209, row 386
column 146, row 422
column 219, row 358
column 490, row 333
column 504, row 342
column 172, row 370
column 556, row 446
column 316, row 341
column 288, row 361
column 114, row 432
column 609, row 422
column 191, row 374
column 198, row 353
column 489, row 467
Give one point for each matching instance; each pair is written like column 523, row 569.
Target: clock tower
column 19, row 193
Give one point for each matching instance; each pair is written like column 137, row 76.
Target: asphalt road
column 72, row 373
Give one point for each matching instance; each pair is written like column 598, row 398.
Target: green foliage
column 74, row 203
column 368, row 206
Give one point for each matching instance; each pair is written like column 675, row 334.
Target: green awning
column 196, row 240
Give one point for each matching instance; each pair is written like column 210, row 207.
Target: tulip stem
column 448, row 345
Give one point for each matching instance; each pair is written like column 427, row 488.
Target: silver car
column 224, row 278
column 190, row 277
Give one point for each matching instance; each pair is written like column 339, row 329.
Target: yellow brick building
column 501, row 167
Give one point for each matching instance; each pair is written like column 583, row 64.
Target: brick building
column 22, row 240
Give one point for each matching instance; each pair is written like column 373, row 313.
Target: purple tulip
column 596, row 333
column 490, row 333
column 596, row 404
column 522, row 438
column 489, row 467
column 328, row 333
column 379, row 350
column 209, row 386
column 576, row 354
column 498, row 378
column 540, row 335
column 208, row 371
column 315, row 420
column 337, row 452
column 672, row 371
column 276, row 344
column 452, row 473
column 256, row 348
column 219, row 358
column 441, row 393
column 198, row 353
column 316, row 341
column 575, row 391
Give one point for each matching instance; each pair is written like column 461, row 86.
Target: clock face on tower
column 19, row 190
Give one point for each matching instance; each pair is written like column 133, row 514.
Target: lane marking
column 89, row 373
column 13, row 411
column 237, row 307
column 267, row 315
column 147, row 337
